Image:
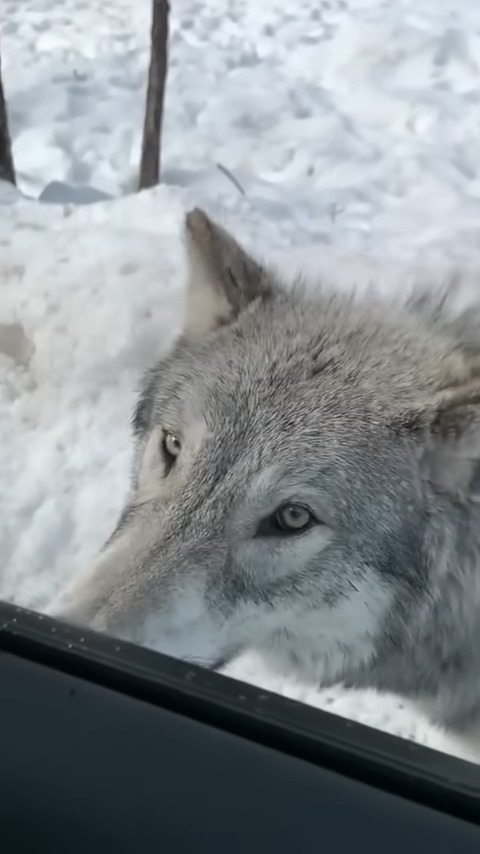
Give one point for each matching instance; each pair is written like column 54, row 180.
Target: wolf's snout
column 113, row 592
column 94, row 599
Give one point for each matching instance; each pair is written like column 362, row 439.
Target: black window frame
column 49, row 670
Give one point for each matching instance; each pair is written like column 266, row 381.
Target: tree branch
column 7, row 171
column 157, row 75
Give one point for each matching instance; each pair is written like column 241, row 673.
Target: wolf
column 305, row 484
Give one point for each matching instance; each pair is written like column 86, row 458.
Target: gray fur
column 366, row 414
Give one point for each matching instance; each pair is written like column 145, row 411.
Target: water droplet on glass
column 69, row 645
column 81, row 640
column 118, row 649
column 53, row 630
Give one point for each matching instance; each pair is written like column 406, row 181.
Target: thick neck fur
column 435, row 658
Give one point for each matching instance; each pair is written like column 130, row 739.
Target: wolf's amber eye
column 172, row 444
column 171, row 447
column 294, row 517
column 289, row 518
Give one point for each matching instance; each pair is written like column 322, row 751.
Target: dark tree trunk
column 7, row 172
column 157, row 74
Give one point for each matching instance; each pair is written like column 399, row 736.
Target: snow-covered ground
column 352, row 127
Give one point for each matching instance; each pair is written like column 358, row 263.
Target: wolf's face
column 297, row 461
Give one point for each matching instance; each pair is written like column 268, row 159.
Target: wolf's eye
column 171, row 447
column 288, row 519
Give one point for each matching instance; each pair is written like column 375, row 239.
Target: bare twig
column 157, row 74
column 231, row 177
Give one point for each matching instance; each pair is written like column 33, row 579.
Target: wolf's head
column 302, row 478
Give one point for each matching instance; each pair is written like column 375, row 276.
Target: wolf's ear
column 448, row 427
column 222, row 280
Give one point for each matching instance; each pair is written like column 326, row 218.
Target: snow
column 352, row 127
